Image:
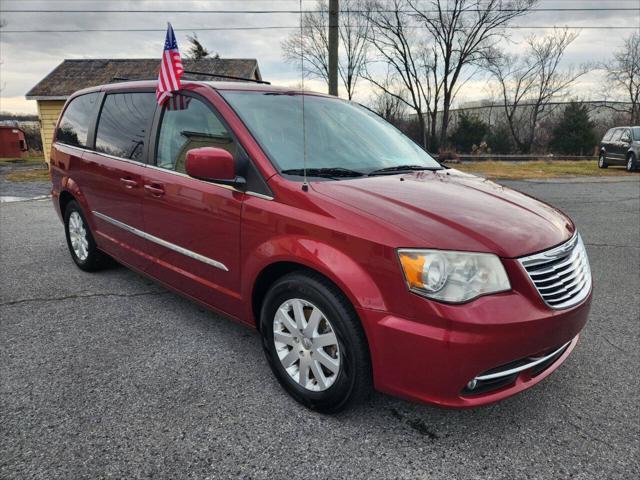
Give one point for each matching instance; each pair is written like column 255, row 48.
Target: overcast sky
column 27, row 57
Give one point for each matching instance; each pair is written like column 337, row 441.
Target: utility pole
column 334, row 12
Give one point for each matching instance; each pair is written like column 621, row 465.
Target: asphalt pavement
column 109, row 375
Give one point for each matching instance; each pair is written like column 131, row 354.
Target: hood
column 452, row 210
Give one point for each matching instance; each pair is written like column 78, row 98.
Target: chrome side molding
column 164, row 243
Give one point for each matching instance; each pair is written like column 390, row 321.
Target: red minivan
column 362, row 262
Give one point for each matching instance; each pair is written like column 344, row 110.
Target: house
column 72, row 75
column 12, row 142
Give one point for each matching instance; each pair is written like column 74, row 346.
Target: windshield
column 340, row 135
column 636, row 133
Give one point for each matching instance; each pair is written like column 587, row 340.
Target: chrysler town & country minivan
column 362, row 262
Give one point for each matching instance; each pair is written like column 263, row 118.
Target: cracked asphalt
column 108, row 375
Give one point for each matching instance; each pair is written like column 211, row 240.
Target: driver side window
column 188, row 123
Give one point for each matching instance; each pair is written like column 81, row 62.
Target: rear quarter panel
column 64, row 160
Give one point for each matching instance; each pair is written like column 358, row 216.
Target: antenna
column 305, row 184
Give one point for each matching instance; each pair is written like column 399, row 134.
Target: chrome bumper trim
column 535, row 361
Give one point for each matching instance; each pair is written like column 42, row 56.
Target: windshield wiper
column 329, row 172
column 402, row 168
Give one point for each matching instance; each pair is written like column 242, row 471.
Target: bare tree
column 389, row 105
column 409, row 63
column 354, row 30
column 464, row 32
column 624, row 73
column 528, row 83
column 311, row 45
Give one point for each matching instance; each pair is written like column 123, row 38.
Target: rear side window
column 616, row 135
column 608, row 135
column 123, row 124
column 74, row 125
column 188, row 123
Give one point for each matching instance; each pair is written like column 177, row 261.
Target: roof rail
column 231, row 77
column 192, row 72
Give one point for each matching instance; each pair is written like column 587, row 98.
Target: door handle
column 155, row 189
column 128, row 183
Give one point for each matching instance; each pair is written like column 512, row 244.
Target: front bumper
column 433, row 356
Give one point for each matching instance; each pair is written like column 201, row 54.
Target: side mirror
column 214, row 165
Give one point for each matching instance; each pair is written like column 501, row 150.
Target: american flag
column 170, row 68
column 178, row 102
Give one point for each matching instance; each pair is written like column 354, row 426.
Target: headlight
column 453, row 276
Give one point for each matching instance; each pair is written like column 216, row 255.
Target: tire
column 602, row 161
column 323, row 306
column 82, row 246
column 632, row 163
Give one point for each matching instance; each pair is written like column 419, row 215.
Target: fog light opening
column 472, row 384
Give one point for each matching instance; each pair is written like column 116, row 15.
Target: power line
column 238, row 1
column 279, row 27
column 471, row 10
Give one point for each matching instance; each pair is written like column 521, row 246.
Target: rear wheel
column 81, row 244
column 632, row 163
column 314, row 343
column 602, row 161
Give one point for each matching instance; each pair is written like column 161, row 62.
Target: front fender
column 354, row 281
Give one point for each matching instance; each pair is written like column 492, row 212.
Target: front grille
column 561, row 275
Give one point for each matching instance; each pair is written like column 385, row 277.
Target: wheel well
column 65, row 198
column 268, row 277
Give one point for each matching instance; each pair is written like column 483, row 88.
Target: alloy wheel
column 306, row 344
column 78, row 236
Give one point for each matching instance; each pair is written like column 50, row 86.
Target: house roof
column 73, row 75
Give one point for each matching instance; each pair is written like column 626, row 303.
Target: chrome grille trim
column 561, row 275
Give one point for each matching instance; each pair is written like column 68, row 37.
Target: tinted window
column 625, row 136
column 124, row 120
column 188, row 123
column 74, row 125
column 636, row 133
column 608, row 135
column 616, row 135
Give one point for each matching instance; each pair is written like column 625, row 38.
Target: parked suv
column 620, row 146
column 362, row 261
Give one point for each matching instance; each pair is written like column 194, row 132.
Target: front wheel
column 81, row 244
column 602, row 161
column 314, row 343
column 631, row 163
